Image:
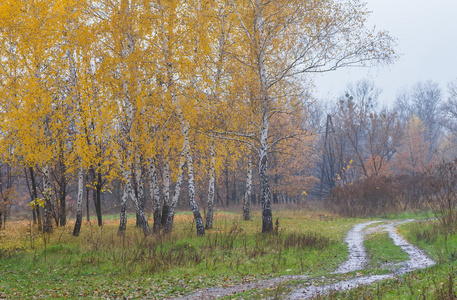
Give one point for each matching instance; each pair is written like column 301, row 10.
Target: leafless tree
column 423, row 100
column 448, row 119
column 426, row 99
column 359, row 136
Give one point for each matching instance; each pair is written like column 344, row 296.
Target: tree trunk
column 79, row 203
column 128, row 192
column 31, row 197
column 123, row 216
column 265, row 192
column 139, row 193
column 171, row 214
column 47, row 220
column 191, row 184
column 63, row 206
column 267, row 219
column 235, row 199
column 212, row 179
column 34, row 215
column 155, row 195
column 35, row 196
column 98, row 198
column 87, row 200
column 166, row 191
column 247, row 195
column 227, row 197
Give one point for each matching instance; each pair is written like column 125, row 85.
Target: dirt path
column 417, row 260
column 357, row 260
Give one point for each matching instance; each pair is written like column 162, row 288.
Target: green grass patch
column 101, row 264
column 383, row 254
column 416, row 215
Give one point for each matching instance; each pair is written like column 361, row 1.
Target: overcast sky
column 426, row 33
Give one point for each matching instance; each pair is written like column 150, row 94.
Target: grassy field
column 101, row 264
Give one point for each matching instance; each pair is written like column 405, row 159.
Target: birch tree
column 291, row 38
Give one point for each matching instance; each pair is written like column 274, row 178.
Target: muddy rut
column 357, row 260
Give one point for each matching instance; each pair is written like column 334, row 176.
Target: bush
column 380, row 194
column 442, row 195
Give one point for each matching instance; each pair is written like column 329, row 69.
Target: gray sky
column 426, row 33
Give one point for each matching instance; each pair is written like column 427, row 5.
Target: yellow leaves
column 37, row 203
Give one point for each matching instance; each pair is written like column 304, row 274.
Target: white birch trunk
column 212, row 179
column 265, row 193
column 267, row 219
column 171, row 213
column 191, row 183
column 247, row 194
column 166, row 184
column 47, row 191
column 155, row 196
column 125, row 197
column 139, row 188
column 129, row 193
column 140, row 213
column 79, row 201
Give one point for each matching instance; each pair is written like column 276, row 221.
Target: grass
column 101, row 264
column 404, row 215
column 383, row 254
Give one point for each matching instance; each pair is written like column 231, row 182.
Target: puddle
column 214, row 293
column 314, row 291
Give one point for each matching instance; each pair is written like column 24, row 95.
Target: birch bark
column 129, row 193
column 139, row 190
column 171, row 213
column 267, row 219
column 247, row 194
column 191, row 183
column 166, row 184
column 155, row 195
column 212, row 179
column 79, row 210
column 47, row 191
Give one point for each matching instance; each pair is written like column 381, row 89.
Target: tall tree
column 290, row 38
